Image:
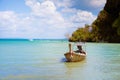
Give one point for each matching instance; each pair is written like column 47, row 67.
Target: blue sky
column 46, row 19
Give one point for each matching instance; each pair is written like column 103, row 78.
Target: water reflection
column 63, row 60
column 75, row 70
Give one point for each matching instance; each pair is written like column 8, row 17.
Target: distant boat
column 30, row 39
column 72, row 56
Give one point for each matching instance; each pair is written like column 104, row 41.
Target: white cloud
column 44, row 21
column 8, row 18
column 42, row 9
column 78, row 17
column 97, row 3
column 83, row 17
column 15, row 25
column 46, row 12
column 63, row 3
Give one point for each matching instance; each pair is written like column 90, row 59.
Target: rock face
column 113, row 7
column 105, row 21
column 106, row 27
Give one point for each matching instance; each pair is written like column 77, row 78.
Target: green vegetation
column 82, row 34
column 116, row 24
column 106, row 28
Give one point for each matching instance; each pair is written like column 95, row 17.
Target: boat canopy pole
column 70, row 48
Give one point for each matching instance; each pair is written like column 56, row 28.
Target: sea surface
column 22, row 59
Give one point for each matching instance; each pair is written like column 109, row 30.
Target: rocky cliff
column 106, row 27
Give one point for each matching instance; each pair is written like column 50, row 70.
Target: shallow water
column 44, row 60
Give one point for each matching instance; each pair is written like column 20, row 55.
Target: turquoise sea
column 21, row 59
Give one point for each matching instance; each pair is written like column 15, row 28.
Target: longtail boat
column 72, row 56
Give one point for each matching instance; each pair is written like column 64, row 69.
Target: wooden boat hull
column 75, row 57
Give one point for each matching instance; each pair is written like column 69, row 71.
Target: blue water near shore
column 21, row 59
